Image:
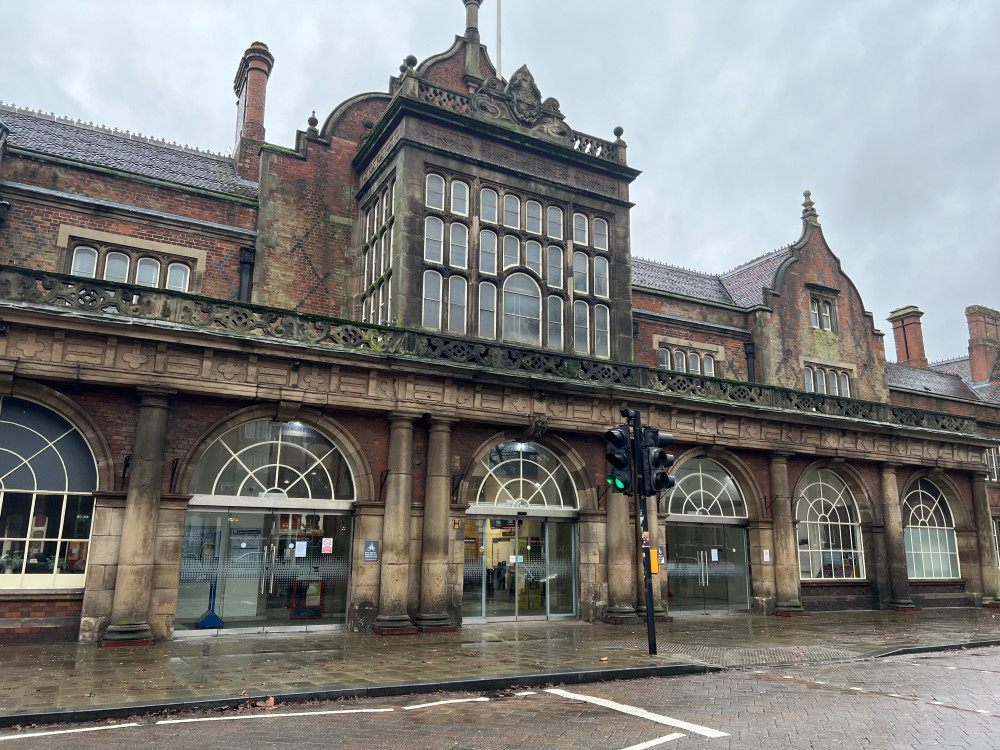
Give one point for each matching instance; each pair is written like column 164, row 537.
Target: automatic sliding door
column 477, row 578
column 532, row 574
column 501, row 564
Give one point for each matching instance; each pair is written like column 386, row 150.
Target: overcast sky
column 888, row 110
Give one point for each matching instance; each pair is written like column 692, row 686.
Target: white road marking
column 65, row 731
column 526, row 692
column 453, row 700
column 282, row 715
column 639, row 712
column 654, row 743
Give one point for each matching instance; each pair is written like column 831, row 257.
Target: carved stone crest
column 520, row 102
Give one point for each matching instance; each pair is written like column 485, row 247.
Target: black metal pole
column 635, row 418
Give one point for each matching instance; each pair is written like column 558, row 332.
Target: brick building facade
column 363, row 383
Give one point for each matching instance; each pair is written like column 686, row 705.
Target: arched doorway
column 520, row 535
column 267, row 535
column 706, row 540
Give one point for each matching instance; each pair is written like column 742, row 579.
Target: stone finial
column 411, row 61
column 809, row 209
column 313, row 122
column 472, row 17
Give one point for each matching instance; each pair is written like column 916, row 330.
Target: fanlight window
column 521, row 475
column 274, row 459
column 704, row 488
column 929, row 533
column 47, row 479
column 829, row 530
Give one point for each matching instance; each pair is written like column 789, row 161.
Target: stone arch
column 364, row 486
column 868, row 511
column 76, row 416
column 571, row 460
column 753, row 496
column 957, row 503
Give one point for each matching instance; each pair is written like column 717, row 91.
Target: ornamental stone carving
column 521, row 103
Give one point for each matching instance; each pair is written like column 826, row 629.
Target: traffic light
column 656, row 461
column 619, row 455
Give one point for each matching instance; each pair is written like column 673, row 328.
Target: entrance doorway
column 707, row 568
column 263, row 570
column 519, row 569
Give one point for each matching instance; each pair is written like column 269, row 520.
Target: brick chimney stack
column 251, row 90
column 909, row 336
column 984, row 341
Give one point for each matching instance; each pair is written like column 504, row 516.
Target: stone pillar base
column 620, row 616
column 434, row 624
column 127, row 635
column 903, row 605
column 993, row 604
column 659, row 614
column 393, row 625
column 789, row 609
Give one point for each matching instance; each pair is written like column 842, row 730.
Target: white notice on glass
column 767, row 555
column 715, row 555
column 513, row 559
column 300, row 549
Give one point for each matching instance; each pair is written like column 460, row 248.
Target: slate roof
column 60, row 137
column 958, row 366
column 929, row 381
column 743, row 286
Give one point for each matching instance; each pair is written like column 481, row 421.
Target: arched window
column 580, row 272
column 708, row 365
column 820, row 381
column 814, row 312
column 555, row 272
column 487, row 311
column 432, row 300
column 433, row 239
column 147, row 272
column 809, row 385
column 459, row 253
column 845, row 385
column 602, row 331
column 533, row 256
column 929, row 533
column 694, row 363
column 522, row 302
column 434, row 197
column 829, row 530
column 274, row 459
column 581, row 327
column 521, row 475
column 512, row 211
column 178, row 276
column 487, row 252
column 533, row 217
column 600, row 234
column 601, row 276
column 511, row 251
column 116, row 267
column 663, row 358
column 46, row 497
column 580, row 229
column 831, row 382
column 85, row 262
column 555, row 322
column 680, row 361
column 826, row 319
column 488, row 205
column 704, row 488
column 554, row 223
column 456, row 304
column 460, row 198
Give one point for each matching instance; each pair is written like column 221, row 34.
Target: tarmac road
column 945, row 699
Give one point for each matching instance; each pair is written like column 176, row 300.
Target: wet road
column 947, row 699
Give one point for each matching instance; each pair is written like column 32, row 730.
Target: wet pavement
column 69, row 681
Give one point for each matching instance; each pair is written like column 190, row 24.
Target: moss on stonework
column 827, row 345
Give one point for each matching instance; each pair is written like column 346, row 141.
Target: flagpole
column 499, row 68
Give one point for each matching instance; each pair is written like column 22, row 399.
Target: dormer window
column 822, row 307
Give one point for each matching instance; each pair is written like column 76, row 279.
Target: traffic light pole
column 635, row 419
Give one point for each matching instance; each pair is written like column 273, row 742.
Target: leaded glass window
column 929, row 533
column 829, row 529
column 705, row 488
column 521, row 475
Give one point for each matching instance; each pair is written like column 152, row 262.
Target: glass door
column 707, row 568
column 518, row 569
column 263, row 570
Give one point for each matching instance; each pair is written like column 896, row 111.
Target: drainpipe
column 750, row 350
column 247, row 255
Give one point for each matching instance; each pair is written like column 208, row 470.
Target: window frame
column 438, row 301
column 581, row 229
column 456, row 185
column 428, row 192
column 483, row 204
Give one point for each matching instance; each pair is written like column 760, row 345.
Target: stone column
column 433, row 614
column 986, row 541
column 621, row 570
column 134, row 576
column 786, row 548
column 899, row 579
column 395, row 579
column 653, row 527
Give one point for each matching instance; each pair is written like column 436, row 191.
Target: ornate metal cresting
column 39, row 289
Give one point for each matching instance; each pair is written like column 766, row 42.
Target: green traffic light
column 616, row 482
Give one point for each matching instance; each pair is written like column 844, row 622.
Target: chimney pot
column 908, row 336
